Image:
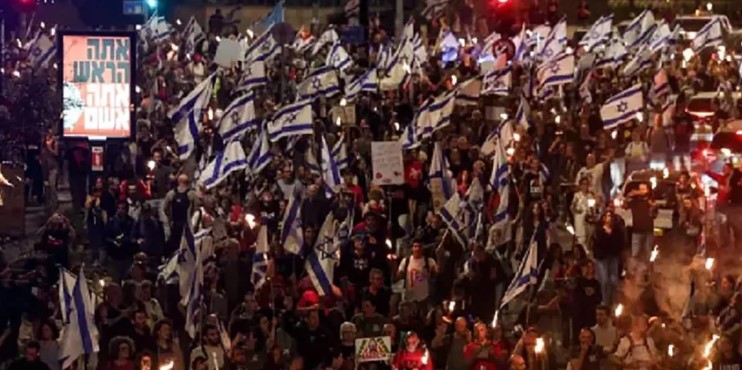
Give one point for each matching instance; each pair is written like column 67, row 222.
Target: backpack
column 406, row 264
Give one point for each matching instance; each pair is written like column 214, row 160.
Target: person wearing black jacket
column 30, row 359
column 119, row 245
column 312, row 340
column 608, row 241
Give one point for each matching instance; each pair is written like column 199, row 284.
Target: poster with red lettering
column 97, row 74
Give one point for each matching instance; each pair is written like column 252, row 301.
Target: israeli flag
column 661, row 37
column 526, row 276
column 338, row 57
column 66, row 287
column 384, row 58
column 418, row 50
column 599, row 32
column 320, row 261
column 503, row 133
column 330, row 171
column 523, row 115
column 467, row 92
column 193, row 34
column 408, row 139
column 622, row 107
column 640, row 30
column 292, row 234
column 264, row 47
column 329, row 37
column 322, row 81
column 311, row 161
column 368, row 82
column 230, row 160
column 612, row 56
column 557, row 71
column 498, row 81
column 554, row 43
column 433, row 8
column 451, row 213
column 292, row 120
column 641, row 61
column 660, row 86
column 169, row 271
column 80, row 335
column 253, row 75
column 276, row 15
column 709, row 35
column 156, row 29
column 449, row 48
column 191, row 248
column 439, row 170
column 43, row 52
column 439, row 112
column 259, row 274
column 521, row 45
column 340, row 153
column 187, row 116
column 537, row 37
column 260, row 154
column 238, row 118
column 194, row 298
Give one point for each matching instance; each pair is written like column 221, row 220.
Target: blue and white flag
column 169, row 271
column 43, row 53
column 612, row 56
column 500, row 182
column 292, row 120
column 340, row 153
column 320, row 261
column 536, row 37
column 521, row 45
column 238, row 118
column 660, row 85
column 451, row 213
column 194, row 299
column 276, row 15
column 193, row 35
column 322, row 81
column 661, row 37
column 555, row 41
column 338, row 57
column 526, row 276
column 384, row 57
column 260, row 154
column 292, row 234
column 498, row 81
column 187, row 116
column 66, row 286
column 640, row 30
column 622, row 107
column 439, row 171
column 433, row 8
column 329, row 37
column 599, row 32
column 368, row 82
column 440, row 110
column 467, row 92
column 230, row 160
column 302, row 41
column 641, row 61
column 156, row 29
column 556, row 71
column 523, row 115
column 502, row 134
column 709, row 35
column 259, row 274
column 449, row 47
column 409, row 138
column 310, row 159
column 330, row 171
column 80, row 335
column 253, row 75
column 263, row 48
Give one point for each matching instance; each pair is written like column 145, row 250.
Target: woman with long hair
column 47, row 335
column 120, row 355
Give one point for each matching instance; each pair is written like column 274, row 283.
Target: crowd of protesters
column 437, row 300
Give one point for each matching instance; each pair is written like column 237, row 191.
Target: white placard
column 386, row 160
column 228, row 53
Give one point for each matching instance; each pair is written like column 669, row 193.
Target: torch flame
column 655, row 253
column 709, row 345
column 709, row 263
column 539, row 345
column 619, row 310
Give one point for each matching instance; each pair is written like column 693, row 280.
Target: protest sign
column 386, row 160
column 373, row 349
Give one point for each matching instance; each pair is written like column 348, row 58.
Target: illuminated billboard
column 97, row 83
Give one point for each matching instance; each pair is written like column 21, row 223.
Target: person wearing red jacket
column 481, row 353
column 413, row 356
